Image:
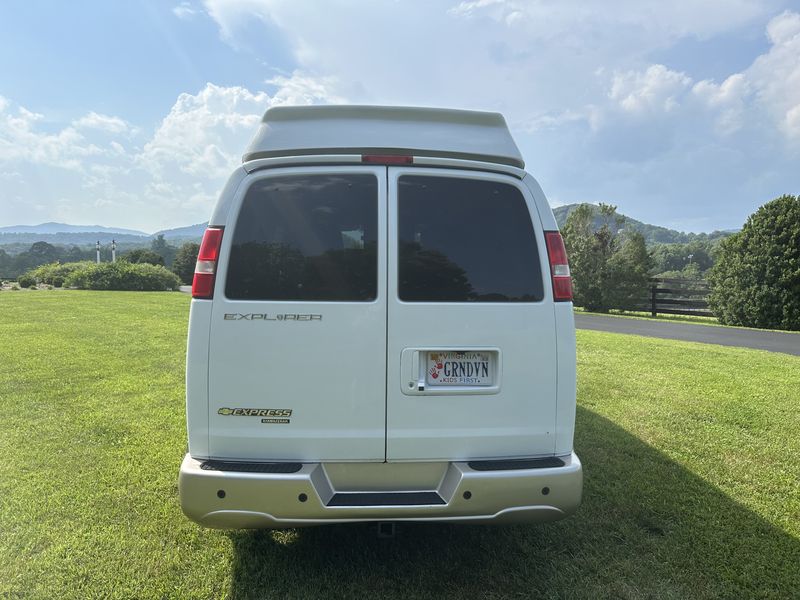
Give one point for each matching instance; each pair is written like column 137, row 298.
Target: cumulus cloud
column 106, row 170
column 21, row 139
column 101, row 122
column 204, row 132
column 775, row 76
column 765, row 96
column 657, row 89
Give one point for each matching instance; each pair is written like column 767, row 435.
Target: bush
column 185, row 260
column 55, row 273
column 756, row 279
column 123, row 276
column 26, row 281
column 143, row 255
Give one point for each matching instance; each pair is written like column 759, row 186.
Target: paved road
column 774, row 341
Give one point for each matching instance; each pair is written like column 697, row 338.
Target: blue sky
column 683, row 114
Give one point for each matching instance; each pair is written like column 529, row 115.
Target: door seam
column 386, row 325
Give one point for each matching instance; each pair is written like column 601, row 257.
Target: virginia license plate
column 459, row 368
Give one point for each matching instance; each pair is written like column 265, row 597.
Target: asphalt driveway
column 774, row 341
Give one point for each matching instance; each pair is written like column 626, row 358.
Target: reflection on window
column 306, row 237
column 465, row 240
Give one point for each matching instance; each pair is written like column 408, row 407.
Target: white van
column 381, row 329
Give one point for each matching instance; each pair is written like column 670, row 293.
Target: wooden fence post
column 653, row 310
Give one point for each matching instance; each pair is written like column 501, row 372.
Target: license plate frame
column 460, row 369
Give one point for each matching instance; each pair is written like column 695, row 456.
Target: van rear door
column 297, row 361
column 471, row 329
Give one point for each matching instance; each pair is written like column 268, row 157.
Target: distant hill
column 17, row 238
column 190, row 232
column 54, row 228
column 62, row 234
column 653, row 234
column 17, row 242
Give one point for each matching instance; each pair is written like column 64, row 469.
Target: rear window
column 465, row 240
column 306, row 237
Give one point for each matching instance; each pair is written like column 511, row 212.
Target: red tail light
column 205, row 271
column 386, row 159
column 559, row 267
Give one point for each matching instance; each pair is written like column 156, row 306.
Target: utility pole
column 113, row 251
column 97, row 247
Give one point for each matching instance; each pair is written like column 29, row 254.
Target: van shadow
column 647, row 528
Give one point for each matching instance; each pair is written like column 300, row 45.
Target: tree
column 756, row 279
column 184, row 263
column 609, row 266
column 629, row 272
column 160, row 246
column 143, row 255
column 697, row 254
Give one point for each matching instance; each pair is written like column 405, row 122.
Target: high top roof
column 306, row 130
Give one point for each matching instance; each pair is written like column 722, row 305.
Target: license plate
column 459, row 368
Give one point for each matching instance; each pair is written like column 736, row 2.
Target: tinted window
column 306, row 237
column 466, row 240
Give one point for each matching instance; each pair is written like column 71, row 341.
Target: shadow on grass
column 647, row 528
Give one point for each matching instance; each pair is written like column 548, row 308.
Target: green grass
column 691, row 456
column 634, row 314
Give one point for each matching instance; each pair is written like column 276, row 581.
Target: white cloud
column 657, row 89
column 102, row 122
column 784, row 28
column 791, row 123
column 728, row 99
column 764, row 96
column 301, row 88
column 22, row 140
column 184, row 11
column 204, row 133
column 775, row 76
column 107, row 171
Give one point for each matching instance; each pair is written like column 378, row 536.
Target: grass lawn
column 691, row 456
column 638, row 314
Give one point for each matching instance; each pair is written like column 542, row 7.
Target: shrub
column 756, row 279
column 185, row 260
column 26, row 281
column 143, row 255
column 55, row 273
column 123, row 275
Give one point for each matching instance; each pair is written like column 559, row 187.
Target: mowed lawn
column 691, row 456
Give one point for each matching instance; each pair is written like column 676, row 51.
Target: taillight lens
column 559, row 266
column 205, row 271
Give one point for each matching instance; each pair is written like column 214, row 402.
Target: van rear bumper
column 318, row 493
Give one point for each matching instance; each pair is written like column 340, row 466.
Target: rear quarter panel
column 565, row 340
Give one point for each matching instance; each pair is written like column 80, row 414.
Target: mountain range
column 53, row 228
column 63, row 234
column 82, row 235
column 653, row 234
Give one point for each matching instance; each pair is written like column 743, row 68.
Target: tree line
column 754, row 274
column 178, row 259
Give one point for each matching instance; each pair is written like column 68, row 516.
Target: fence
column 679, row 297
